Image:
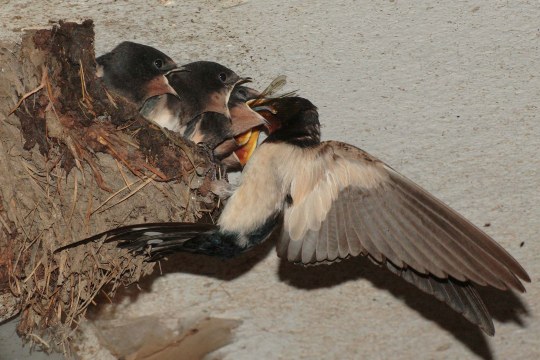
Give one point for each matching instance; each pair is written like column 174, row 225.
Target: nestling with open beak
column 329, row 201
column 246, row 125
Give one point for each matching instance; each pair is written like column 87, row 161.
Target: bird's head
column 208, row 85
column 136, row 71
column 134, row 60
column 287, row 113
column 293, row 120
column 209, row 76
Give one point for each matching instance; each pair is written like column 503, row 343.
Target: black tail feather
column 143, row 236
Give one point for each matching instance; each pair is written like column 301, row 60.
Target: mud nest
column 76, row 160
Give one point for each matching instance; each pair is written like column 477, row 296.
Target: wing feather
column 361, row 224
column 462, row 297
column 322, row 248
column 492, row 270
column 343, row 243
column 480, row 239
column 392, row 234
column 353, row 241
column 345, row 203
column 374, row 232
column 309, row 247
column 332, row 251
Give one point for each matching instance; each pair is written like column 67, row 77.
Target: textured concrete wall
column 447, row 92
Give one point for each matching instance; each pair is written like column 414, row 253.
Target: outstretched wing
column 348, row 203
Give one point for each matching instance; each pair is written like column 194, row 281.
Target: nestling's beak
column 244, row 119
column 240, row 149
column 247, row 142
column 159, row 86
column 175, row 70
column 243, row 80
column 245, row 127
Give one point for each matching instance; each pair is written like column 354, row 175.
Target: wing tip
column 488, row 328
column 522, row 273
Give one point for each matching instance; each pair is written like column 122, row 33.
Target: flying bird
column 330, row 200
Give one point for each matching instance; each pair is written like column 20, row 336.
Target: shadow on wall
column 504, row 306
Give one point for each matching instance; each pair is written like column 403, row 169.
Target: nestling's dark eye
column 158, row 63
column 222, row 77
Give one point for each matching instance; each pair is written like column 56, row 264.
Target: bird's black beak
column 265, row 108
column 243, row 80
column 176, row 69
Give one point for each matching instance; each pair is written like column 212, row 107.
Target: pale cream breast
column 262, row 189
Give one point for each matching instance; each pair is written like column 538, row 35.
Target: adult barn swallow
column 136, row 72
column 330, row 200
